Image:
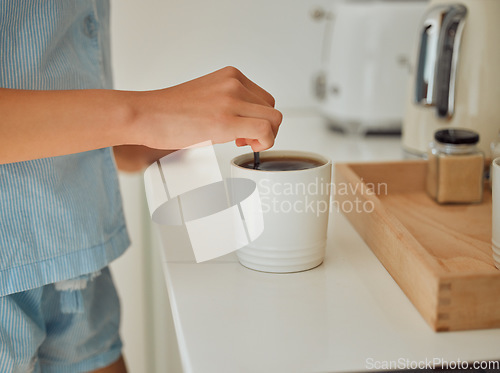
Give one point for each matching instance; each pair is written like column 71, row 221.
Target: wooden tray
column 440, row 255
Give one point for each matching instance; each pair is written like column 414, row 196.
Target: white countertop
column 333, row 318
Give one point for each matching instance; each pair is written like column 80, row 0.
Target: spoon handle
column 256, row 160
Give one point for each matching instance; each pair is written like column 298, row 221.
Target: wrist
column 126, row 118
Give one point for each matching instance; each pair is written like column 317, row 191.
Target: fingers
column 243, row 111
column 232, row 72
column 257, row 106
column 258, row 133
column 234, row 85
column 261, row 112
column 270, row 116
column 259, row 121
column 251, row 97
column 241, row 142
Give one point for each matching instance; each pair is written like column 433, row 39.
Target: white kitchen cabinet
column 147, row 329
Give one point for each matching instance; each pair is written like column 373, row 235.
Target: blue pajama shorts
column 66, row 327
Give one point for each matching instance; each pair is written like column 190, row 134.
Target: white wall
column 159, row 43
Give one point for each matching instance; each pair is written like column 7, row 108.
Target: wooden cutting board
column 440, row 255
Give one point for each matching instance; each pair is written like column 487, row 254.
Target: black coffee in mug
column 283, row 163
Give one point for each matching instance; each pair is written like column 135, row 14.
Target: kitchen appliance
column 366, row 49
column 456, row 78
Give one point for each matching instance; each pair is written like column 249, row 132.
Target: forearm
column 219, row 107
column 134, row 158
column 38, row 124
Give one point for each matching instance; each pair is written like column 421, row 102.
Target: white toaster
column 367, row 46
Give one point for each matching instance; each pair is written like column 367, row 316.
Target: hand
column 222, row 106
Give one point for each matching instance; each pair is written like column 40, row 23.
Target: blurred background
column 287, row 47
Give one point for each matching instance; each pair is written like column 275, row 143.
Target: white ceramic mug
column 295, row 207
column 495, row 188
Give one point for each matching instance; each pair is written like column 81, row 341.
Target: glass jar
column 456, row 167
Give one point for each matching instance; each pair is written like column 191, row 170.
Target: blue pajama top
column 60, row 217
